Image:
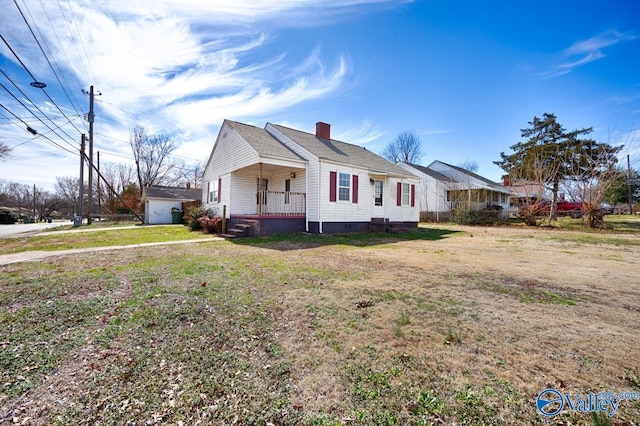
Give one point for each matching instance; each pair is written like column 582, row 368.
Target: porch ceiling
column 268, row 168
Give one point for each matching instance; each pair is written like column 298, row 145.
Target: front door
column 378, row 198
column 261, row 194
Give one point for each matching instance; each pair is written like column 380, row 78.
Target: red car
column 564, row 208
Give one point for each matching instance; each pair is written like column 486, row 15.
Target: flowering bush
column 211, row 225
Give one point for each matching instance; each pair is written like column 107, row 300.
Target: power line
column 35, row 132
column 64, row 51
column 34, row 78
column 75, row 22
column 11, row 121
column 48, row 61
column 34, row 104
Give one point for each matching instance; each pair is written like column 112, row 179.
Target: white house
column 159, row 201
column 287, row 180
column 445, row 188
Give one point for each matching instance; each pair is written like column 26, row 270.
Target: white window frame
column 342, row 187
column 406, row 194
column 378, row 196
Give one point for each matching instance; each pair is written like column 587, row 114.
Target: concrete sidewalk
column 30, row 256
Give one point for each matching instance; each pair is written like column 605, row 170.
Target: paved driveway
column 8, row 231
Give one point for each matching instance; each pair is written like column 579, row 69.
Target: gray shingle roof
column 493, row 185
column 432, row 173
column 341, row 152
column 173, row 193
column 263, row 142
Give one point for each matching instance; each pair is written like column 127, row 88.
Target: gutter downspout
column 320, row 196
column 437, row 202
column 401, row 199
column 306, row 197
column 260, row 190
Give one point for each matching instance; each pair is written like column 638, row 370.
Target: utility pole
column 34, row 203
column 82, row 157
column 90, row 192
column 629, row 192
column 99, row 188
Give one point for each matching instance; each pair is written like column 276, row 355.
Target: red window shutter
column 219, row 189
column 354, row 197
column 333, row 186
column 413, row 195
column 399, row 194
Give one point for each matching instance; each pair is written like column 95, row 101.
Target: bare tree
column 534, row 181
column 406, row 147
column 549, row 148
column 14, row 195
column 5, row 150
column 151, row 155
column 469, row 165
column 67, row 191
column 117, row 176
column 189, row 174
column 593, row 173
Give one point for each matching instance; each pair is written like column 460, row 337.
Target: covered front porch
column 477, row 199
column 265, row 189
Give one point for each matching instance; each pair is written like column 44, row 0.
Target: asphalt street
column 8, row 231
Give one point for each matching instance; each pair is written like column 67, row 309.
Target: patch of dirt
column 467, row 289
column 439, row 317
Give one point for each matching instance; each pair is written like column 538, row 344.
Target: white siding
column 431, row 192
column 346, row 211
column 158, row 212
column 434, row 194
column 314, row 193
column 212, row 186
column 243, row 192
column 401, row 213
column 230, row 153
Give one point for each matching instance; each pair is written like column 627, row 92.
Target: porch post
column 260, row 190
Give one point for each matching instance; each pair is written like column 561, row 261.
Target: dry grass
column 433, row 328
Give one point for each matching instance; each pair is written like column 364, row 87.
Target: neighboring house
column 288, row 180
column 159, row 201
column 525, row 192
column 445, row 188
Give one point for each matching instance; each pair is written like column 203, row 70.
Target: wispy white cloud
column 180, row 67
column 363, row 134
column 255, row 100
column 599, row 42
column 436, row 132
column 583, row 52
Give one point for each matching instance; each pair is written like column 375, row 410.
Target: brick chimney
column 323, row 130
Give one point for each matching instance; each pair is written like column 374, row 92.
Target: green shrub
column 211, row 225
column 193, row 215
column 471, row 217
column 7, row 216
column 200, row 219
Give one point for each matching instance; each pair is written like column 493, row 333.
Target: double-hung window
column 344, row 187
column 406, row 194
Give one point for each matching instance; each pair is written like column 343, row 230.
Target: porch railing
column 281, row 203
column 473, row 206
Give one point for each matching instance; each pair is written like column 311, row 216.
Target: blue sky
column 466, row 76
